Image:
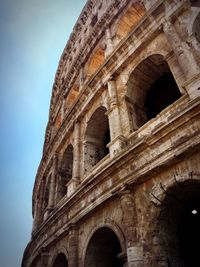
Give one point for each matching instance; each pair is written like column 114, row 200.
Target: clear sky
column 33, row 34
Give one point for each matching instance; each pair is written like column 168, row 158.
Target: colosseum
column 119, row 180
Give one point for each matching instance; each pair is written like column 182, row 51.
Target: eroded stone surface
column 119, row 180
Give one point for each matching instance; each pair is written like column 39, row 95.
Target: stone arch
column 97, row 136
column 60, row 261
column 193, row 28
column 33, row 262
column 71, row 97
column 196, row 26
column 60, row 251
column 129, row 19
column 96, row 60
column 65, row 170
column 176, row 221
column 105, row 245
column 150, row 89
column 193, row 21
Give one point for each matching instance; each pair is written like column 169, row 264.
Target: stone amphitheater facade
column 119, row 180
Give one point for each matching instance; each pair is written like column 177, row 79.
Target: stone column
column 181, row 49
column 134, row 248
column 73, row 246
column 185, row 58
column 72, row 184
column 117, row 139
column 59, row 188
column 63, row 109
column 109, row 42
column 44, row 257
column 38, row 211
column 81, row 79
column 51, row 201
column 37, row 214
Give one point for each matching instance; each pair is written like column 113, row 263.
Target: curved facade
column 119, row 180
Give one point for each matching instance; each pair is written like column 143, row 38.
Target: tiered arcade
column 119, row 180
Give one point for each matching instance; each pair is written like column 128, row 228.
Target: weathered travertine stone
column 119, row 180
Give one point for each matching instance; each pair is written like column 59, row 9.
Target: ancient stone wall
column 118, row 183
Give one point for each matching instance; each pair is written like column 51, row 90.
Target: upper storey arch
column 60, row 261
column 129, row 18
column 84, row 46
column 71, row 97
column 65, row 171
column 151, row 87
column 97, row 136
column 96, row 60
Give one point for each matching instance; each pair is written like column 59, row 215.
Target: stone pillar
column 52, row 186
column 73, row 246
column 63, row 109
column 134, row 249
column 38, row 208
column 81, row 78
column 38, row 216
column 59, row 188
column 117, row 139
column 35, row 218
column 58, row 180
column 72, row 184
column 185, row 58
column 109, row 42
column 44, row 257
column 181, row 49
column 51, row 201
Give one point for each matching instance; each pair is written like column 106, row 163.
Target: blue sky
column 33, row 34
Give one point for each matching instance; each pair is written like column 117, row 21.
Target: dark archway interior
column 97, row 137
column 60, row 261
column 103, row 249
column 150, row 89
column 180, row 225
column 106, row 141
column 163, row 92
column 65, row 170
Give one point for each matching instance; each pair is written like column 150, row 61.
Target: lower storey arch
column 179, row 221
column 104, row 249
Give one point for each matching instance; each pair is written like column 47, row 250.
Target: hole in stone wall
column 151, row 88
column 65, row 171
column 60, row 261
column 95, row 61
column 196, row 28
column 163, row 92
column 103, row 249
column 179, row 225
column 129, row 19
column 96, row 139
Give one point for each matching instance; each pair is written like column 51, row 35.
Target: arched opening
column 103, row 249
column 96, row 61
column 65, row 171
column 161, row 94
column 196, row 28
column 96, row 139
column 72, row 96
column 128, row 20
column 151, row 88
column 179, row 225
column 60, row 261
